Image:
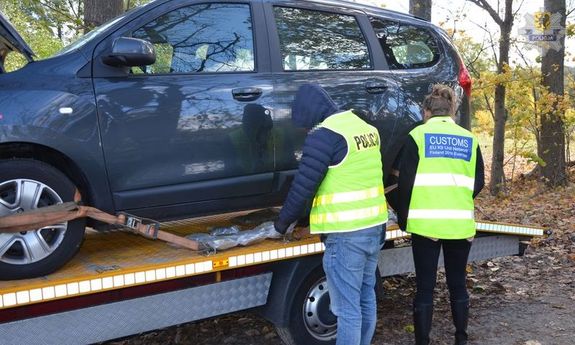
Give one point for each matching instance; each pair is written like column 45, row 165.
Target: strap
column 60, row 213
column 42, row 217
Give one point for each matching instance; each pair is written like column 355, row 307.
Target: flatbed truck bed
column 121, row 284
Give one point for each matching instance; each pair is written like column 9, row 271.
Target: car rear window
column 315, row 40
column 406, row 46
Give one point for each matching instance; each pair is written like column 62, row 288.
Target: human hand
column 301, row 232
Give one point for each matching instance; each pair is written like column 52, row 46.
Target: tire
column 36, row 252
column 310, row 320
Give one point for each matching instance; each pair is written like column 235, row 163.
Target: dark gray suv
column 182, row 108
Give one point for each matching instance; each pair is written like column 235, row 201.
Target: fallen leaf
column 479, row 288
column 387, row 285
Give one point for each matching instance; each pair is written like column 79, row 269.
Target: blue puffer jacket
column 321, row 149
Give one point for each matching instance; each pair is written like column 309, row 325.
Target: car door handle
column 246, row 94
column 376, row 86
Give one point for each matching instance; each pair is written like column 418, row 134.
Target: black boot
column 460, row 313
column 422, row 316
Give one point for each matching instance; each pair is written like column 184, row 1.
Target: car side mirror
column 129, row 52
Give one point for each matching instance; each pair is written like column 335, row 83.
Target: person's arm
column 479, row 174
column 322, row 148
column 409, row 160
column 393, row 197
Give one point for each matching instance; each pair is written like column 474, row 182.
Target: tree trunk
column 500, row 113
column 420, row 8
column 97, row 12
column 497, row 173
column 551, row 146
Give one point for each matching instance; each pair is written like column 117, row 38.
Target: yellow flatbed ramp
column 116, row 260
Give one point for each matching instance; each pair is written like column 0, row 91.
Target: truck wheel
column 27, row 185
column 310, row 320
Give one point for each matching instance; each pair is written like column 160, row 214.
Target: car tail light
column 464, row 78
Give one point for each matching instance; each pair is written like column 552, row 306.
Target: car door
column 328, row 45
column 194, row 126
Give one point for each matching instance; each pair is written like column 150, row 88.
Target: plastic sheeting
column 222, row 238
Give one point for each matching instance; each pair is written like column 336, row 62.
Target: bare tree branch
column 491, row 111
column 491, row 41
column 568, row 11
column 71, row 5
column 485, row 5
column 518, row 8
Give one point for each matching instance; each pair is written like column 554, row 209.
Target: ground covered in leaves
column 524, row 300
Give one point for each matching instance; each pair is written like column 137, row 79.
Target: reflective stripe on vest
column 351, row 196
column 440, row 214
column 347, row 216
column 337, row 198
column 453, row 180
column 441, row 204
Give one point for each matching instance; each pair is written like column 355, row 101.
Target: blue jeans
column 349, row 262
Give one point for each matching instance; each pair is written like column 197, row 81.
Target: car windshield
column 80, row 42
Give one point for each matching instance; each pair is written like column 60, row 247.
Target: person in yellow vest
column 340, row 174
column 440, row 173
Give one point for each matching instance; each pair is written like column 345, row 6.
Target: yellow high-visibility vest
column 351, row 196
column 441, row 203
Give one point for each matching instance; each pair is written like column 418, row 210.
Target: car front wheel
column 26, row 185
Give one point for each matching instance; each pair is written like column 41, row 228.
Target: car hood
column 10, row 40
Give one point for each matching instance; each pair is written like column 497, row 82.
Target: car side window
column 406, row 46
column 315, row 40
column 200, row 39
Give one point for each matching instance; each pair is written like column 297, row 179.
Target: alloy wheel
column 30, row 246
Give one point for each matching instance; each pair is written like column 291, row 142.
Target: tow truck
column 120, row 284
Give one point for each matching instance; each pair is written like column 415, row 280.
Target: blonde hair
column 441, row 100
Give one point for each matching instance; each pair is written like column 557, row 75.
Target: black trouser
column 426, row 256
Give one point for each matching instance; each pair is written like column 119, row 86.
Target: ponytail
column 441, row 100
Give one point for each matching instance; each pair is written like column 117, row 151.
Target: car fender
column 62, row 122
